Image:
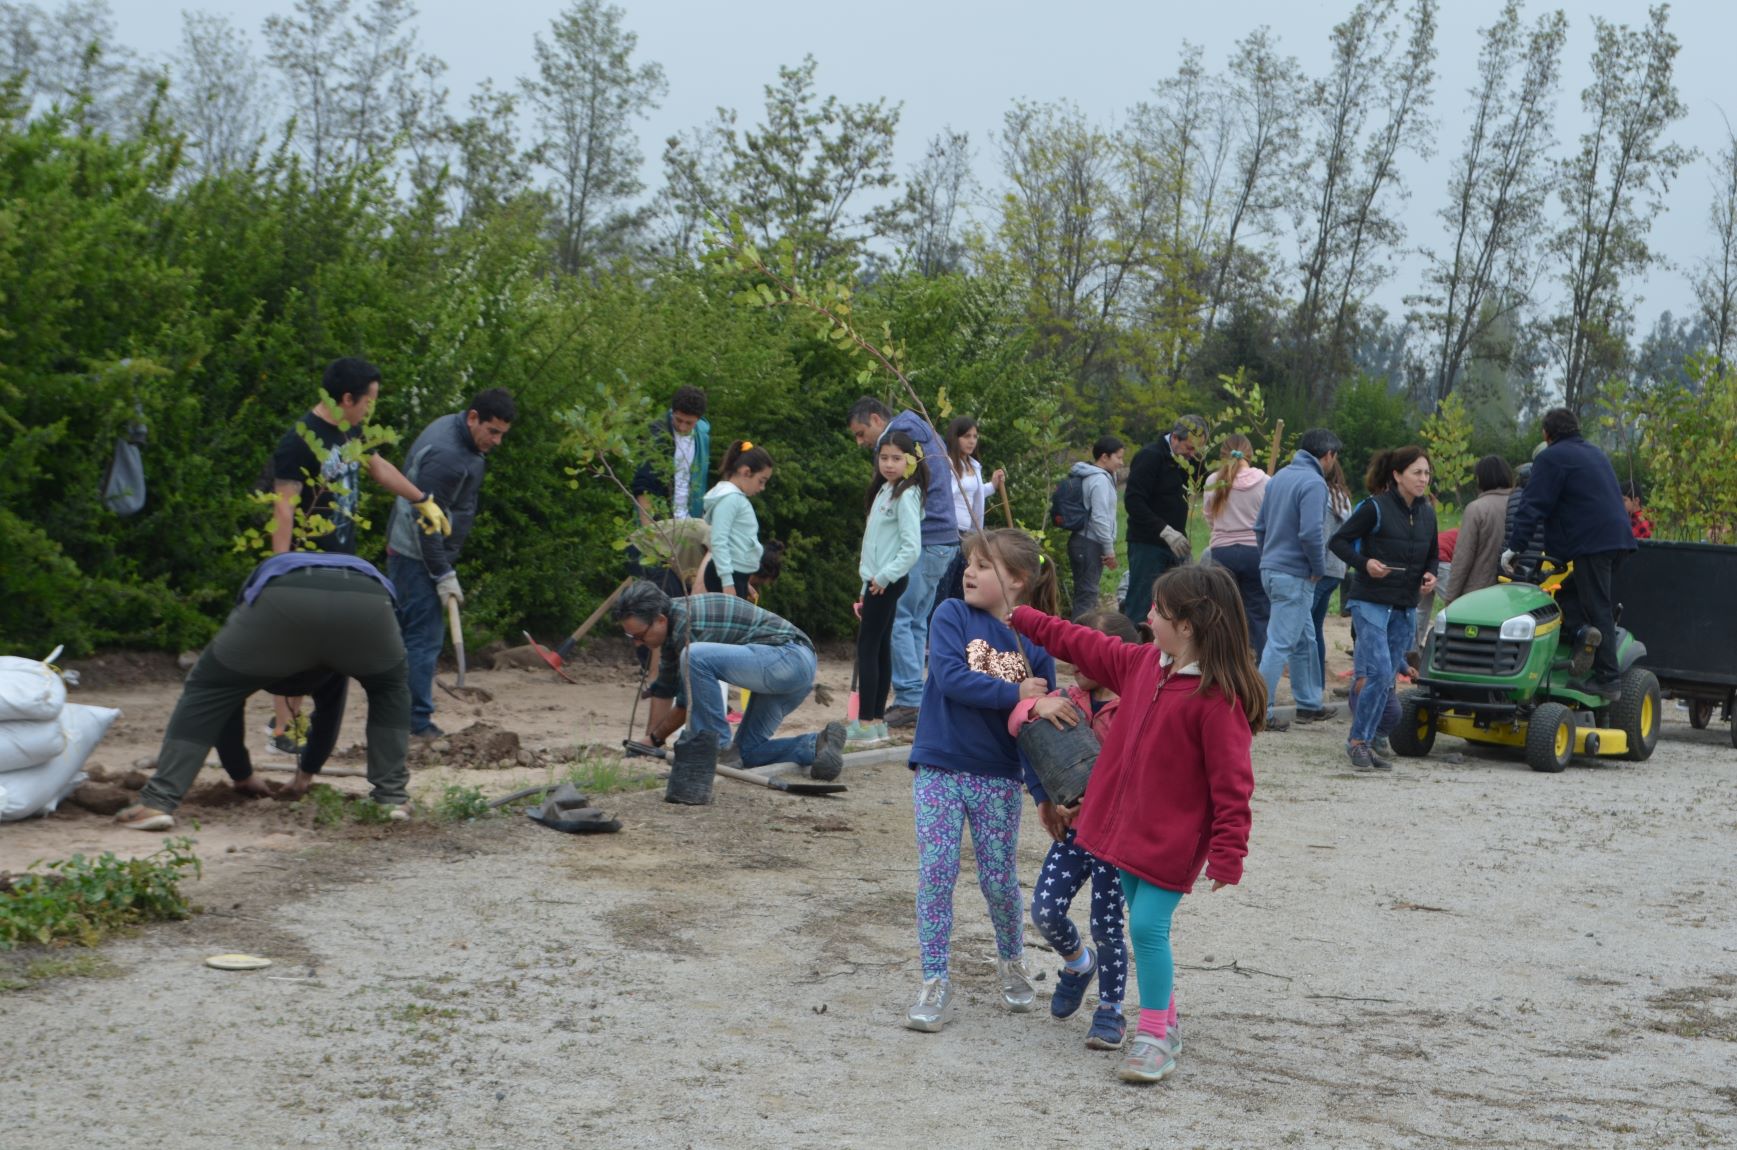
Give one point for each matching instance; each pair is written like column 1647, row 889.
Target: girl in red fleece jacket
column 1172, row 783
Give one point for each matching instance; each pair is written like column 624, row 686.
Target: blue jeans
column 911, row 622
column 1146, row 561
column 780, row 678
column 423, row 625
column 1244, row 564
column 1291, row 640
column 1324, row 588
column 1383, row 635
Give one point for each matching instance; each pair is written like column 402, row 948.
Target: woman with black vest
column 1390, row 541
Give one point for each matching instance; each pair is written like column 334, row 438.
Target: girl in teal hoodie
column 892, row 541
column 735, row 544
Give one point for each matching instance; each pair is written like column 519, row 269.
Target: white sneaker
column 1017, row 991
column 934, row 1003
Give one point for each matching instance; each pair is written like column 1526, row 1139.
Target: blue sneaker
column 1070, row 988
column 1108, row 1029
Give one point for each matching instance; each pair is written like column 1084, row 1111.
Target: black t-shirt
column 294, row 461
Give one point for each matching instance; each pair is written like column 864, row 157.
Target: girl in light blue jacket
column 892, row 540
column 735, row 538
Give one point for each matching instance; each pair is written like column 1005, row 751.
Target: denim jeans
column 911, row 622
column 423, row 625
column 1324, row 588
column 1244, row 564
column 1086, row 558
column 780, row 678
column 1146, row 561
column 1383, row 635
column 1291, row 640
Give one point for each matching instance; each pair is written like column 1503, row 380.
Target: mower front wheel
column 1550, row 738
column 1637, row 713
column 1700, row 713
column 1415, row 734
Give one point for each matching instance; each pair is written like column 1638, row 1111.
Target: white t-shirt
column 684, row 469
column 969, row 496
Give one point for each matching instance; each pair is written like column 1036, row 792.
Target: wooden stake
column 1278, row 438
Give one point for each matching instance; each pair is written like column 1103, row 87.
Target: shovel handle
column 457, row 636
column 579, row 632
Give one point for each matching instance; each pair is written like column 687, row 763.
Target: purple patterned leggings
column 945, row 801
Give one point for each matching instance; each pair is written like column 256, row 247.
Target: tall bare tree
column 586, row 94
column 214, row 94
column 934, row 196
column 68, row 58
column 1370, row 108
column 1716, row 279
column 1495, row 214
column 1611, row 190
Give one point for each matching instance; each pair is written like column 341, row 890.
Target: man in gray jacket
column 1093, row 548
column 1292, row 532
column 446, row 462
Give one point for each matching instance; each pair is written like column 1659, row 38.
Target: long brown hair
column 1338, row 493
column 1379, row 477
column 917, row 477
column 1020, row 556
column 742, row 453
column 1207, row 600
column 1235, row 452
column 960, row 427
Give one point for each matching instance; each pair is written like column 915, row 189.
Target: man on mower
column 1573, row 492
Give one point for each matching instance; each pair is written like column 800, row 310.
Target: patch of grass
column 331, row 807
column 81, row 900
column 1691, row 1012
column 459, row 804
column 370, row 813
column 608, row 777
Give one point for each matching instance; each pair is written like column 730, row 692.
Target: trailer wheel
column 1550, row 738
column 1415, row 734
column 1637, row 713
column 1700, row 713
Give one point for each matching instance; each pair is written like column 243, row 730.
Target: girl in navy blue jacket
column 966, row 766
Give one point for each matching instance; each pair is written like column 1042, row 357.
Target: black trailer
column 1677, row 599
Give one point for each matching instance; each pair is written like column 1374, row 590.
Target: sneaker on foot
column 730, row 756
column 284, row 744
column 934, row 1003
column 1278, row 726
column 1376, row 759
column 398, row 814
column 1017, row 992
column 1070, row 988
column 1108, row 1030
column 901, row 716
column 139, row 817
column 429, row 732
column 1318, row 715
column 828, row 753
column 1149, row 1060
column 858, row 734
column 1361, row 759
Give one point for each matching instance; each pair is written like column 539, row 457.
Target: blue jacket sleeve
column 1312, row 526
column 952, row 675
column 1101, row 494
column 1538, row 500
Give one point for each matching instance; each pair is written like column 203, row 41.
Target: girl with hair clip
column 735, row 540
column 892, row 540
column 1173, row 779
column 1234, row 495
column 966, row 766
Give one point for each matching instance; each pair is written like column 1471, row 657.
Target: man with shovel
column 447, row 463
column 709, row 639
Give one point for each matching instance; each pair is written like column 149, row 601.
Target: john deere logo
column 1471, row 632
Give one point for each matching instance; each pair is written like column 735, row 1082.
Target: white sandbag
column 29, row 690
column 24, row 745
column 39, row 790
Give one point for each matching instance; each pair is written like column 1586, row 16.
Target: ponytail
column 1235, row 453
column 742, row 453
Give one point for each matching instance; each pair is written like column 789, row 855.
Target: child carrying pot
column 1067, row 867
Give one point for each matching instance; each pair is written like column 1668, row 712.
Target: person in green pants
column 298, row 612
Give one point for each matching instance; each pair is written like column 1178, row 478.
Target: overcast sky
column 962, row 62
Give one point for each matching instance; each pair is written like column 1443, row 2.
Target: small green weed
column 608, row 777
column 332, row 807
column 370, row 813
column 81, row 900
column 458, row 804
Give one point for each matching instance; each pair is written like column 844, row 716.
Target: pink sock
column 1152, row 1022
column 1170, row 1019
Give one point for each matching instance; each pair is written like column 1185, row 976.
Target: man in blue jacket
column 1292, row 532
column 869, row 421
column 1574, row 493
column 447, row 461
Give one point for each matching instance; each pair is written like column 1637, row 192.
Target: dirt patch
column 1694, row 1011
column 119, row 669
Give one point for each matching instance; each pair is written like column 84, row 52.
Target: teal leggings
column 1149, row 912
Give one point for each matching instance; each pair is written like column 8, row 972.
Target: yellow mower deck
column 1610, row 740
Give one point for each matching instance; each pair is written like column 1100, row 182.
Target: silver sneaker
column 934, row 1003
column 1148, row 1059
column 1016, row 988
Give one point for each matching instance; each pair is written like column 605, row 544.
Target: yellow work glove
column 433, row 518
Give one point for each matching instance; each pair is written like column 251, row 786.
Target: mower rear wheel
column 1638, row 712
column 1415, row 734
column 1700, row 713
column 1550, row 738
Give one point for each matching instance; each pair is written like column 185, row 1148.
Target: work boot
column 828, row 753
column 1361, row 759
column 1375, row 758
column 1586, row 646
column 901, row 716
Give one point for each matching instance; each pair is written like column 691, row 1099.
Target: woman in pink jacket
column 1171, row 787
column 1233, row 502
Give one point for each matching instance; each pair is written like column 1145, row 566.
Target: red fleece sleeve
column 1226, row 740
column 1102, row 657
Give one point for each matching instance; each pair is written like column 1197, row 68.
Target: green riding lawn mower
column 1499, row 671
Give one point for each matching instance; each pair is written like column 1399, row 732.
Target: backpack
column 1067, row 504
column 1357, row 544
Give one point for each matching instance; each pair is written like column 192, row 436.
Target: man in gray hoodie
column 1093, row 548
column 447, row 462
column 1292, row 532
